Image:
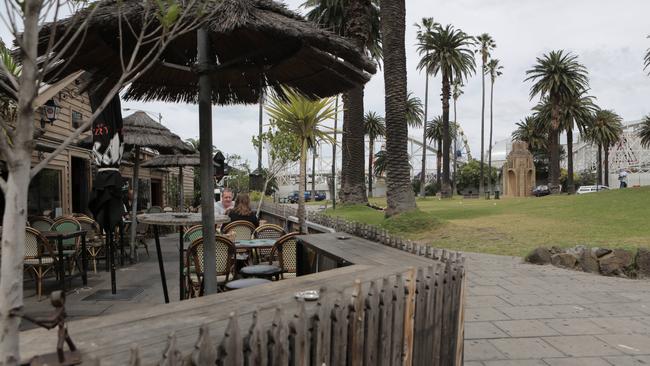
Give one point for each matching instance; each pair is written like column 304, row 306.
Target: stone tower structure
column 519, row 171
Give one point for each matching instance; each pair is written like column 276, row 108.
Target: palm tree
column 399, row 195
column 485, row 45
column 358, row 20
column 375, row 127
column 414, row 111
column 380, row 163
column 605, row 130
column 433, row 132
column 494, row 69
column 456, row 92
column 304, row 118
column 646, row 59
column 559, row 77
column 530, row 131
column 447, row 51
column 644, row 132
column 427, row 25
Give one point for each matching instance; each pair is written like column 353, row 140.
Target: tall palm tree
column 530, row 131
column 559, row 77
column 427, row 25
column 433, row 132
column 456, row 92
column 447, row 51
column 304, row 118
column 358, row 20
column 605, row 130
column 646, row 59
column 485, row 45
column 414, row 111
column 644, row 132
column 375, row 127
column 494, row 70
column 399, row 195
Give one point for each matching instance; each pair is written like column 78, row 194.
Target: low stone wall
column 608, row 262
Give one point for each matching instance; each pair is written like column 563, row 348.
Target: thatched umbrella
column 241, row 48
column 172, row 161
column 140, row 130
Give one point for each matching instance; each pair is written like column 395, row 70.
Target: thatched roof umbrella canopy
column 255, row 44
column 140, row 130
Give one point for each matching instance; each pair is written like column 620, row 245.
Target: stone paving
column 517, row 314
column 527, row 315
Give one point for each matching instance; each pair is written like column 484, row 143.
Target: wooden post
column 207, row 165
column 409, row 318
column 181, row 193
column 134, row 202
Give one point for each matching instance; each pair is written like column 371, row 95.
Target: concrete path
column 524, row 315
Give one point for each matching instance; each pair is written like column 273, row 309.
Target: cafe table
column 180, row 219
column 59, row 237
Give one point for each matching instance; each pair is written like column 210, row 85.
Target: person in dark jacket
column 242, row 210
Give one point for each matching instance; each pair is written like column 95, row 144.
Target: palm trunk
column 489, row 166
column 571, row 189
column 599, row 168
column 302, row 220
column 554, row 156
column 371, row 148
column 446, row 140
column 336, row 119
column 399, row 195
column 313, row 174
column 424, row 134
column 453, row 178
column 606, row 165
column 481, row 187
column 439, row 163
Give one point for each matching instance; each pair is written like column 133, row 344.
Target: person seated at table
column 242, row 210
column 224, row 206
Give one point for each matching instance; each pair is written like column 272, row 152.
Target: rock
column 577, row 250
column 615, row 262
column 565, row 260
column 589, row 262
column 600, row 252
column 643, row 261
column 539, row 256
column 556, row 250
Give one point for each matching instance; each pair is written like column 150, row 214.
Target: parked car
column 293, row 197
column 589, row 189
column 320, row 196
column 541, row 190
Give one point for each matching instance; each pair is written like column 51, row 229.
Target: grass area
column 514, row 226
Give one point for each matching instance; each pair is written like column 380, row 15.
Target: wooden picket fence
column 403, row 319
column 362, row 230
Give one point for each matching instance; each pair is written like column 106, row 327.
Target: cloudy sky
column 608, row 36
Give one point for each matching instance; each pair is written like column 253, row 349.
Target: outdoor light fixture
column 49, row 112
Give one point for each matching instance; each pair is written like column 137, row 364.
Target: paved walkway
column 526, row 315
column 517, row 314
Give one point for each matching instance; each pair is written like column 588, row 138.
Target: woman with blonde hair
column 242, row 210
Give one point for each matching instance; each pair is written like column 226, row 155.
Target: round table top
column 255, row 243
column 177, row 218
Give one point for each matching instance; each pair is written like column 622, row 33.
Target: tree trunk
column 446, row 139
column 481, row 181
column 606, row 165
column 453, row 178
column 336, row 119
column 371, row 153
column 570, row 185
column 15, row 195
column 181, row 189
column 134, row 202
column 489, row 166
column 423, row 180
column 439, row 163
column 599, row 167
column 554, row 156
column 313, row 174
column 353, row 182
column 399, row 194
column 302, row 220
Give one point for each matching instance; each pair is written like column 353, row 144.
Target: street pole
column 207, row 167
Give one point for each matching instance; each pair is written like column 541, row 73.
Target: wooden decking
column 111, row 338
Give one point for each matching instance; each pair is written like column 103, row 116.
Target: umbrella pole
column 181, row 199
column 134, row 204
column 207, row 167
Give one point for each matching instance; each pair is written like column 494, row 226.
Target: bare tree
column 46, row 45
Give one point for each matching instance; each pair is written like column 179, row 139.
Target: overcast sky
column 608, row 36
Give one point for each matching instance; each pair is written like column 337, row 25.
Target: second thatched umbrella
column 140, row 130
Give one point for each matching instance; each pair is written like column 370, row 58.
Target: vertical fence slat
column 204, row 352
column 409, row 318
column 398, row 321
column 419, row 337
column 371, row 333
column 299, row 331
column 134, row 359
column 385, row 322
column 324, row 336
column 229, row 351
column 255, row 345
column 278, row 348
column 339, row 342
column 460, row 324
column 171, row 356
column 355, row 326
column 437, row 322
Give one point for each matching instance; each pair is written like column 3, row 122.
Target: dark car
column 293, row 198
column 540, row 191
column 320, row 196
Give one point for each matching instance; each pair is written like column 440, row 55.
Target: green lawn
column 614, row 219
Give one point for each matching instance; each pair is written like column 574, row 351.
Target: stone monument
column 519, row 171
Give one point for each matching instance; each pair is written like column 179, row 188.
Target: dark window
column 77, row 118
column 44, row 192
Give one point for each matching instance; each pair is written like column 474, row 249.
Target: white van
column 590, row 189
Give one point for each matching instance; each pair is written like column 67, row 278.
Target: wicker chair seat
column 245, row 282
column 262, row 270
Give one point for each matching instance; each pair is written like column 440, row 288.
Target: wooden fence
column 403, row 319
column 362, row 230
